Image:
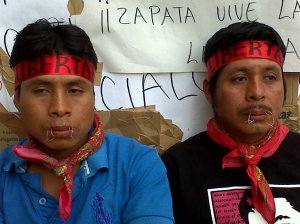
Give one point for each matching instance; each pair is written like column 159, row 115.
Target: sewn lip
column 257, row 114
column 61, row 131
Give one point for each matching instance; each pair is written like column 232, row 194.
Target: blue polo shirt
column 123, row 182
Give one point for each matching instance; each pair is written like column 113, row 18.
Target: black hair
column 236, row 33
column 45, row 38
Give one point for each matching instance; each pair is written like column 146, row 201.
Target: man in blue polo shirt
column 69, row 170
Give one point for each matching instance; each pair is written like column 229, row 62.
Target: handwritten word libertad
column 287, row 13
column 290, row 45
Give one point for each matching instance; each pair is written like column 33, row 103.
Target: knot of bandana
column 242, row 155
column 64, row 167
column 248, row 156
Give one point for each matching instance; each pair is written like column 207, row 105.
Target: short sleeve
column 150, row 197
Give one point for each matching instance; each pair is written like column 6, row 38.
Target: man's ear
column 206, row 88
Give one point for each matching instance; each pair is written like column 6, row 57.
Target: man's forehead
column 252, row 64
column 57, row 80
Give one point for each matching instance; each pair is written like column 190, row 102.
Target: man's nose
column 256, row 90
column 59, row 105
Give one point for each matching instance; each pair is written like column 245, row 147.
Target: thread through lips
column 255, row 114
column 59, row 131
column 261, row 115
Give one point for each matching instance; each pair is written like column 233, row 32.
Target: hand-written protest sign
column 173, row 94
column 177, row 96
column 14, row 15
column 162, row 36
column 125, row 28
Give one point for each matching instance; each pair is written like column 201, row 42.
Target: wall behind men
column 152, row 50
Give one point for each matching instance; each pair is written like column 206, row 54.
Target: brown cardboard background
column 7, row 73
column 290, row 110
column 143, row 124
column 146, row 124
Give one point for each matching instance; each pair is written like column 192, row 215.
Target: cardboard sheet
column 144, row 124
column 98, row 74
column 8, row 76
column 291, row 109
column 75, row 7
column 7, row 137
column 290, row 117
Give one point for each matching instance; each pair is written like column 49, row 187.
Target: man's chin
column 256, row 131
column 249, row 133
column 59, row 145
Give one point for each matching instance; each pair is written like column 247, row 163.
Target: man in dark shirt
column 244, row 146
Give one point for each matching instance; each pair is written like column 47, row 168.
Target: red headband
column 54, row 65
column 245, row 49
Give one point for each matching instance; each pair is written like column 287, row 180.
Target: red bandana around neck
column 64, row 167
column 244, row 49
column 246, row 155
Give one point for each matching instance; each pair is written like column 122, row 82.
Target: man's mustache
column 256, row 106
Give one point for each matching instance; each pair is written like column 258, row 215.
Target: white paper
column 160, row 49
column 177, row 96
column 15, row 14
column 138, row 36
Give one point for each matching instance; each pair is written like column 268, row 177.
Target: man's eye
column 270, row 77
column 40, row 90
column 76, row 91
column 240, row 79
